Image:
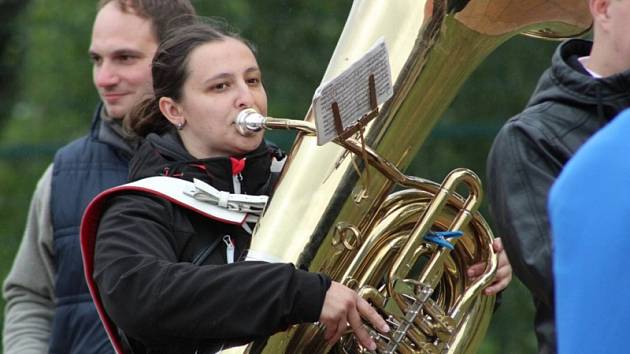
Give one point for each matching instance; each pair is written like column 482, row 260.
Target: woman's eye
column 253, row 81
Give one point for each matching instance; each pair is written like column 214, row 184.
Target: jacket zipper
column 229, row 248
column 236, row 182
column 200, row 258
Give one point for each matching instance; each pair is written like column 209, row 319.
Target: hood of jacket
column 165, row 155
column 567, row 82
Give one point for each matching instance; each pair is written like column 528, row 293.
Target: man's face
column 121, row 51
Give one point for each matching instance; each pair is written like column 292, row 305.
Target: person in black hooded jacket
column 164, row 273
column 587, row 85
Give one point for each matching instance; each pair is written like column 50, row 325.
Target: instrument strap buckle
column 251, row 204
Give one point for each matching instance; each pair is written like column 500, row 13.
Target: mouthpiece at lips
column 248, row 122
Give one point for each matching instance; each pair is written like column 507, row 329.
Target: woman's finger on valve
column 343, row 306
column 340, row 329
column 357, row 326
column 329, row 330
column 371, row 315
column 334, row 310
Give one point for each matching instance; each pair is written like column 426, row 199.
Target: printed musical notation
column 350, row 90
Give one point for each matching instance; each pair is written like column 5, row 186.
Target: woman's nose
column 245, row 98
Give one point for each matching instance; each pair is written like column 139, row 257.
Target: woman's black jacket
column 160, row 289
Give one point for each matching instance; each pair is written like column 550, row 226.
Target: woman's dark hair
column 169, row 70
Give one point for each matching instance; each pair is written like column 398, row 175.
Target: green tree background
column 47, row 99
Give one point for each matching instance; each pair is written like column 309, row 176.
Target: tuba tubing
column 333, row 210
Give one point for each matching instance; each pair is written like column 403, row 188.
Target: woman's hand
column 502, row 277
column 343, row 306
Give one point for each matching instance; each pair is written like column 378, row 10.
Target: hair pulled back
column 169, row 70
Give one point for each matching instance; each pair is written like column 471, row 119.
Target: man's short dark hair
column 163, row 14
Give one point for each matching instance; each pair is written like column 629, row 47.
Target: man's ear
column 172, row 111
column 599, row 9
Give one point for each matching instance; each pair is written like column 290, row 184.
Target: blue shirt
column 589, row 210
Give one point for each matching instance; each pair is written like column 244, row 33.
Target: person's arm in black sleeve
column 520, row 174
column 153, row 297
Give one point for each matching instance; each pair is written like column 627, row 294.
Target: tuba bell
column 333, row 210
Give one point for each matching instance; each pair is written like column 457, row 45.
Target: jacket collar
column 165, row 155
column 567, row 81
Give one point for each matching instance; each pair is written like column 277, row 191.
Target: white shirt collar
column 583, row 61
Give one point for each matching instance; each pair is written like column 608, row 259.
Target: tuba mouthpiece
column 248, row 122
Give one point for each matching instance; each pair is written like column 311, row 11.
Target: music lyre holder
column 358, row 126
column 344, row 134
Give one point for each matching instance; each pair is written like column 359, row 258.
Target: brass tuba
column 334, row 211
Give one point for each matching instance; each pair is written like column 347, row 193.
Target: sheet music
column 350, row 90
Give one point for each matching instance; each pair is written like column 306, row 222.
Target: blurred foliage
column 52, row 98
column 11, row 52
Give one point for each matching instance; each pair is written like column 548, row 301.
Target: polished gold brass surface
column 375, row 243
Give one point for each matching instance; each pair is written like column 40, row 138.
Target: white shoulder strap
column 189, row 195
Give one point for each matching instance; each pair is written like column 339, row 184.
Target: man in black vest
column 48, row 306
column 587, row 85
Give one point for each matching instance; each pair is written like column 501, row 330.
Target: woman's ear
column 172, row 111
